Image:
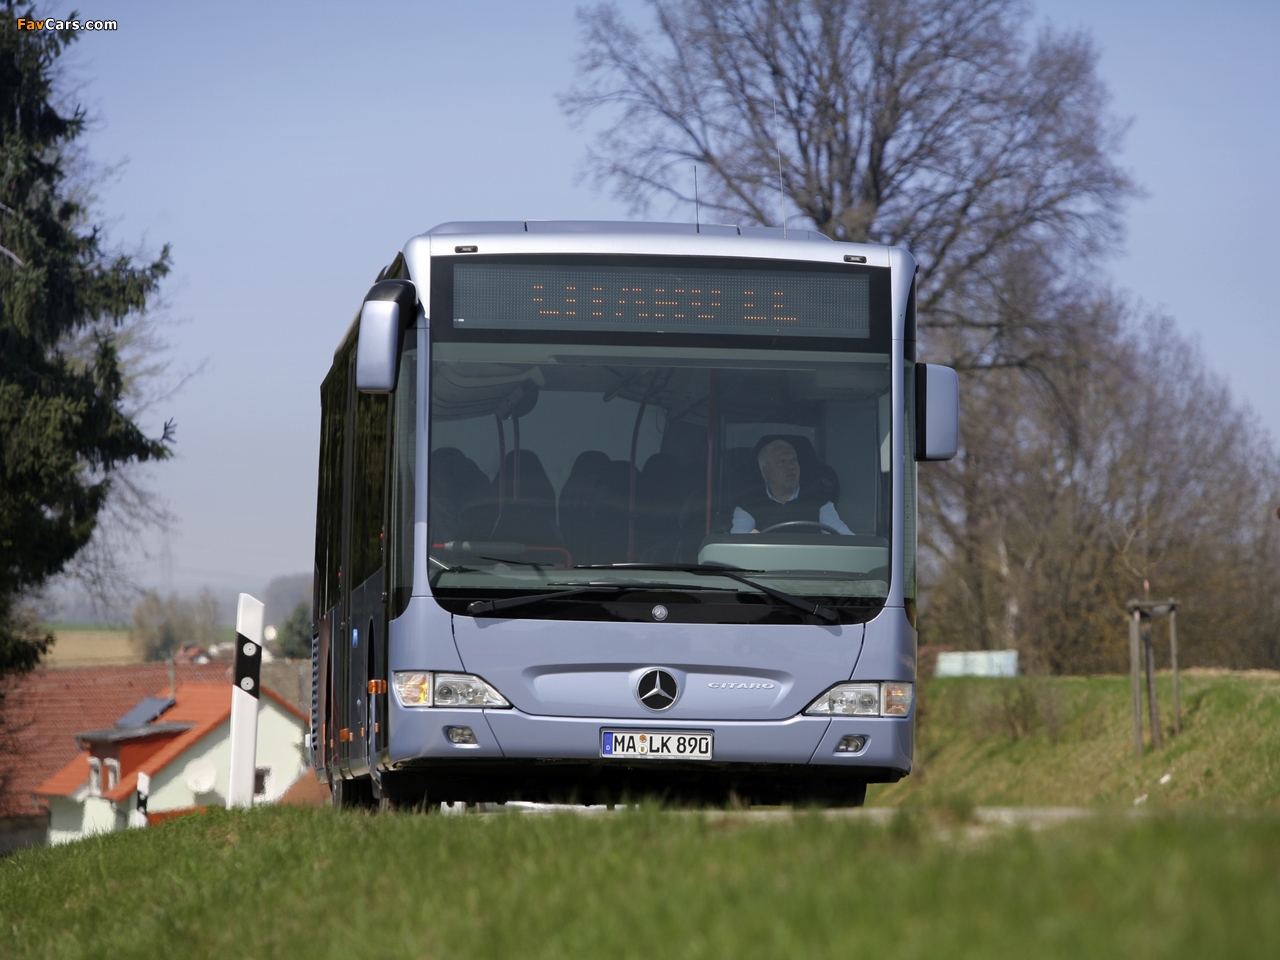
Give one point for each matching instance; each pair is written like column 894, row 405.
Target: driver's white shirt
column 743, row 522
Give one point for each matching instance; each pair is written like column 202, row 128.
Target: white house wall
column 71, row 819
column 66, row 819
column 280, row 750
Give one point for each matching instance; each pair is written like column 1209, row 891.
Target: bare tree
column 162, row 625
column 107, row 569
column 935, row 124
column 1097, row 450
column 1124, row 461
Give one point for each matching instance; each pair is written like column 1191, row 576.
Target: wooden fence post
column 1135, row 676
column 1173, row 658
column 1153, row 701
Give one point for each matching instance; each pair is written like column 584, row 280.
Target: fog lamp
column 461, row 735
column 851, row 744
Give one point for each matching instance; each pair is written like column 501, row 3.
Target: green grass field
column 290, row 882
column 1194, row 872
column 1041, row 741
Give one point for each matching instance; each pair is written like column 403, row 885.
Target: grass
column 291, row 882
column 1069, row 741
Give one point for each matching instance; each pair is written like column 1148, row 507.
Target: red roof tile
column 67, row 780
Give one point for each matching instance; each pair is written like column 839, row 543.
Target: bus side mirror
column 937, row 412
column 388, row 308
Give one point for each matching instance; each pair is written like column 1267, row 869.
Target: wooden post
column 1153, row 702
column 1135, row 675
column 1173, row 659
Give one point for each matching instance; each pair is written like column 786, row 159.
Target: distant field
column 93, row 645
column 90, row 645
column 1069, row 741
column 291, row 882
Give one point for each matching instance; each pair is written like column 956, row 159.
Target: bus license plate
column 655, row 745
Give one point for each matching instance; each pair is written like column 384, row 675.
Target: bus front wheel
column 354, row 794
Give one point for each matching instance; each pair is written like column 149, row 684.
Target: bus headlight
column 464, row 690
column 412, row 689
column 896, row 699
column 426, row 689
column 892, row 699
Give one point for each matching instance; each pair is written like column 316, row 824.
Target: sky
column 286, row 153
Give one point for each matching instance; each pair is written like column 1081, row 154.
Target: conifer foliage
column 63, row 424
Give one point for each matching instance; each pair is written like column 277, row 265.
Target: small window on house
column 260, row 782
column 95, row 777
column 113, row 772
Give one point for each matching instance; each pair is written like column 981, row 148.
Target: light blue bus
column 614, row 510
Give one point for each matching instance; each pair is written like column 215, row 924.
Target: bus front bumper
column 419, row 736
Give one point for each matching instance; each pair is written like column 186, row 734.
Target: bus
column 612, row 510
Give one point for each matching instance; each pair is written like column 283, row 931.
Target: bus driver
column 779, row 500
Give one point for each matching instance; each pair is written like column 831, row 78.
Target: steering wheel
column 792, row 524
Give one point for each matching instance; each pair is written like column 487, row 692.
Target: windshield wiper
column 732, row 573
column 478, row 608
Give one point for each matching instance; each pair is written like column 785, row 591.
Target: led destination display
column 688, row 300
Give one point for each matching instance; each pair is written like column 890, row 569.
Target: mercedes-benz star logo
column 657, row 689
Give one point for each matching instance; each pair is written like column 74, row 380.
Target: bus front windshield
column 590, row 467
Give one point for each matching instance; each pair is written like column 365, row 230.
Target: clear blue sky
column 288, row 153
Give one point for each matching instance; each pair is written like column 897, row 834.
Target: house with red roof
column 42, row 711
column 168, row 755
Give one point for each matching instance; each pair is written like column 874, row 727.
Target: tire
column 354, row 794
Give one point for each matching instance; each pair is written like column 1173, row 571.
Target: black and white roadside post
column 244, row 702
column 139, row 818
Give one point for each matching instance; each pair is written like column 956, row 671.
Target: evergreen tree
column 294, row 638
column 63, row 429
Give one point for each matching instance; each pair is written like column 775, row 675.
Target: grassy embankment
column 294, row 882
column 1069, row 741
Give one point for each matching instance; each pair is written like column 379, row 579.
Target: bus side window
column 368, row 486
column 333, row 416
column 404, row 459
